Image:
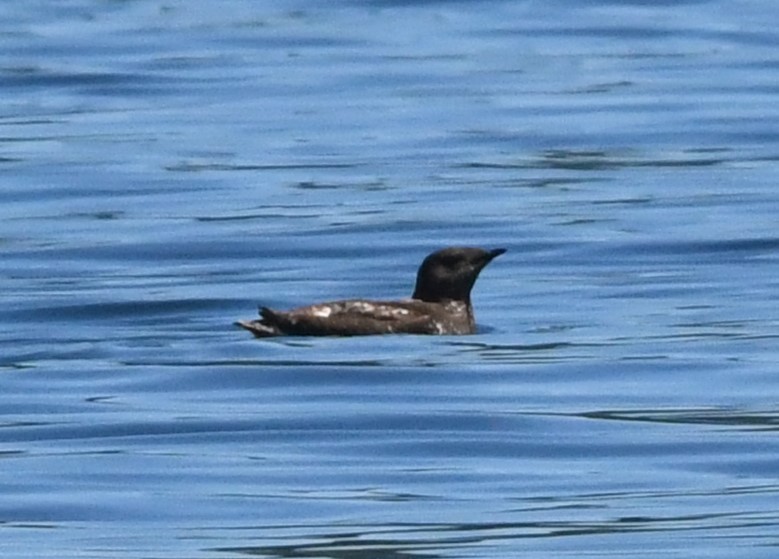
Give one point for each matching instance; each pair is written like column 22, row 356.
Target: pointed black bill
column 497, row 252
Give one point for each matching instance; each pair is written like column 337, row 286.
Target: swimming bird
column 440, row 304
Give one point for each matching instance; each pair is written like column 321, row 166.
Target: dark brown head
column 449, row 274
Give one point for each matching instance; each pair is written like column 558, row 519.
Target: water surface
column 167, row 167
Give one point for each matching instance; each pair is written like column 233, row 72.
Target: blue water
column 168, row 166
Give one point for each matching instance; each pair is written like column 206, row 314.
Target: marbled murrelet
column 441, row 304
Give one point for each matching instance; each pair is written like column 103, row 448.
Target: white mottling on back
column 376, row 310
column 363, row 307
column 322, row 312
column 455, row 307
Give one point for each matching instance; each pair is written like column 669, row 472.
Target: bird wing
column 354, row 318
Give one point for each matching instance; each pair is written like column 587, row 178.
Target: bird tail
column 266, row 327
column 270, row 317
